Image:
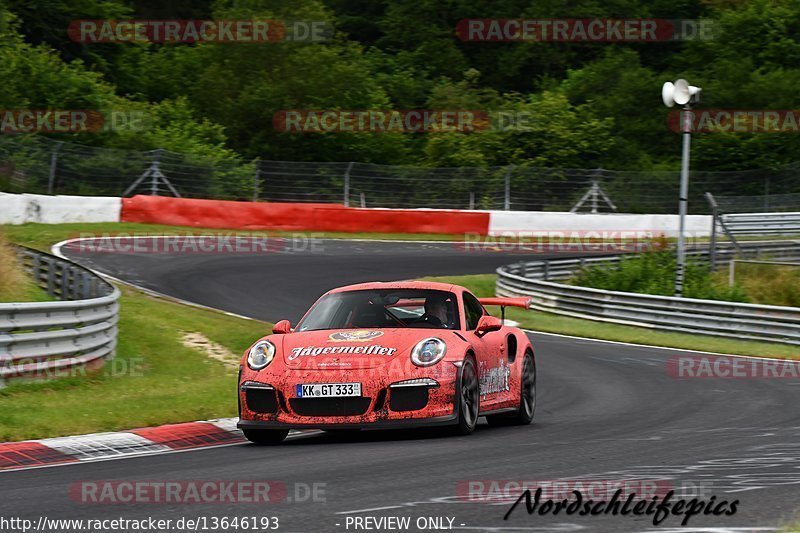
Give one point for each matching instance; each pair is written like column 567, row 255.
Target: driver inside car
column 435, row 312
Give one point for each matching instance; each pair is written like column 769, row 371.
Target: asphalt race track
column 605, row 412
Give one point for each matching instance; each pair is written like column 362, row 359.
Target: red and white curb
column 118, row 445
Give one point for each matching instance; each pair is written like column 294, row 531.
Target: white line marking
column 588, row 339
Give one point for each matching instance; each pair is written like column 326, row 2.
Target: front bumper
column 269, row 401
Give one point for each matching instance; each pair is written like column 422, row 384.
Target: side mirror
column 282, row 327
column 488, row 323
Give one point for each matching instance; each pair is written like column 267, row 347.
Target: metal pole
column 256, row 179
column 154, row 172
column 347, row 184
column 594, row 197
column 712, row 253
column 363, row 201
column 53, row 162
column 507, row 201
column 472, row 200
column 683, row 202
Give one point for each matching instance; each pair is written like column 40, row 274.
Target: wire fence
column 41, row 165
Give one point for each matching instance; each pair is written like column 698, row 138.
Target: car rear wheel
column 265, row 436
column 468, row 399
column 527, row 400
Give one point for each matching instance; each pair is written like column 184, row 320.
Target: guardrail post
column 85, row 285
column 546, row 272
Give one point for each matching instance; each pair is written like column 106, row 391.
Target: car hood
column 351, row 348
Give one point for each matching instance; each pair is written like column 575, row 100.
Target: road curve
column 605, row 412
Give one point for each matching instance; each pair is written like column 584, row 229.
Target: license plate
column 329, row 390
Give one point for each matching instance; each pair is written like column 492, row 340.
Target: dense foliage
column 654, row 273
column 597, row 104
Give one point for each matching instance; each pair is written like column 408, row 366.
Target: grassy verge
column 15, row 284
column 42, row 236
column 483, row 285
column 766, row 284
column 154, row 379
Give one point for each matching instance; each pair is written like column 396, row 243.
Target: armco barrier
column 711, row 317
column 42, row 339
column 298, row 217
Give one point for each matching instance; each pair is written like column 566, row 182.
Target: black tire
column 468, row 399
column 527, row 401
column 265, row 436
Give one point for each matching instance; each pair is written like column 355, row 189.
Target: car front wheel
column 527, row 398
column 468, row 399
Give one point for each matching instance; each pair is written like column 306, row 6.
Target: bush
column 654, row 273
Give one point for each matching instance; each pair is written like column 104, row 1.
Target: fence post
column 471, row 201
column 256, row 179
column 712, row 249
column 154, row 172
column 347, row 184
column 53, row 163
column 507, row 200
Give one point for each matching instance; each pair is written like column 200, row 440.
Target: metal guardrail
column 710, row 317
column 41, row 339
column 762, row 223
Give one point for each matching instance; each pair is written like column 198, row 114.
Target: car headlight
column 260, row 355
column 428, row 352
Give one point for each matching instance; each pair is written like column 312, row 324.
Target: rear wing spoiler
column 507, row 302
column 524, row 302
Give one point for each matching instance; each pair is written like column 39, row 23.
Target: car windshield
column 387, row 308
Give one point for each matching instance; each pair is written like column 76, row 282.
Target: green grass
column 15, row 284
column 483, row 285
column 766, row 284
column 153, row 380
column 26, row 291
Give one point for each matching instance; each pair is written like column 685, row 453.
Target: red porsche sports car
column 388, row 355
